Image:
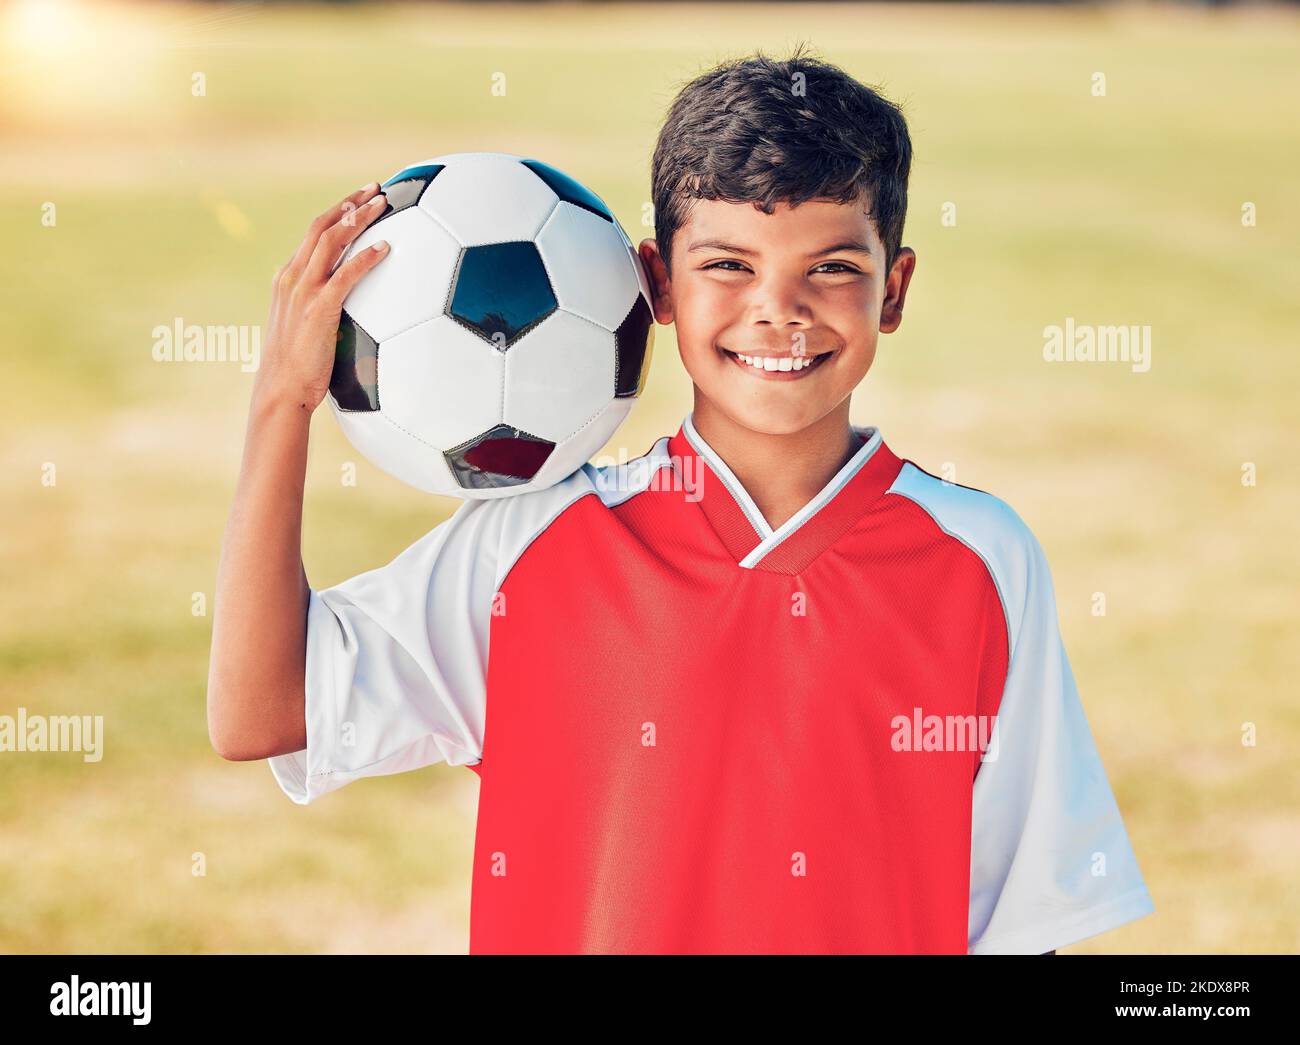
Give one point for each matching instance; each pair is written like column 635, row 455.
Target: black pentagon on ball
column 354, row 381
column 405, row 188
column 633, row 341
column 502, row 456
column 500, row 291
column 569, row 190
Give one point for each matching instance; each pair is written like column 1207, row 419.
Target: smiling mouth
column 777, row 366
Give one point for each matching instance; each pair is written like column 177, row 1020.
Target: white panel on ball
column 562, row 344
column 588, row 264
column 480, row 198
column 394, row 451
column 441, row 383
column 416, row 274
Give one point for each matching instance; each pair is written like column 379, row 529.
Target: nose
column 779, row 303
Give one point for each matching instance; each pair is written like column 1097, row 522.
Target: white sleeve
column 1051, row 862
column 396, row 667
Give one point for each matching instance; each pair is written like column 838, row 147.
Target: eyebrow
column 848, row 246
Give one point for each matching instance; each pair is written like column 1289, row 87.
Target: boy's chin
column 772, row 414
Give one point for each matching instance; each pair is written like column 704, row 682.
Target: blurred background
column 1117, row 165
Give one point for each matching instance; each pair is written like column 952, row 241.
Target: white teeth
column 775, row 363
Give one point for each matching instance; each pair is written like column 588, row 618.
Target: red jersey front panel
column 685, row 755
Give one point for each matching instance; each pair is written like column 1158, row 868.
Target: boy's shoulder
column 966, row 512
column 990, row 527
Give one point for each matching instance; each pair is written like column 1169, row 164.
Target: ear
column 661, row 292
column 891, row 311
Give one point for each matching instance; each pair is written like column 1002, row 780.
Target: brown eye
column 716, row 264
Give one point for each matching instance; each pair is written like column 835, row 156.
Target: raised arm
column 256, row 671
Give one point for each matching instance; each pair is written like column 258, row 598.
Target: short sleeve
column 396, row 663
column 1051, row 862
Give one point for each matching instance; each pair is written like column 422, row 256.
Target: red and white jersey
column 858, row 732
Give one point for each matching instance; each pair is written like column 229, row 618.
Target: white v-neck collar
column 769, row 538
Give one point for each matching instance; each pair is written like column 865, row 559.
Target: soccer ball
column 505, row 336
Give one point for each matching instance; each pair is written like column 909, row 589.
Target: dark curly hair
column 758, row 130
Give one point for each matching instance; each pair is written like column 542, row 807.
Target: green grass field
column 1122, row 209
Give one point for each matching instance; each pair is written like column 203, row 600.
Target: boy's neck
column 782, row 473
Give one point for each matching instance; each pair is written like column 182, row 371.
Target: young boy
column 739, row 694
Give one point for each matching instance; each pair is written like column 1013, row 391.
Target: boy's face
column 770, row 285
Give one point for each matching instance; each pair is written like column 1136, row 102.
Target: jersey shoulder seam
column 1005, row 522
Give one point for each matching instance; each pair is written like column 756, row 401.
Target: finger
column 350, row 272
column 334, row 241
column 324, row 221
